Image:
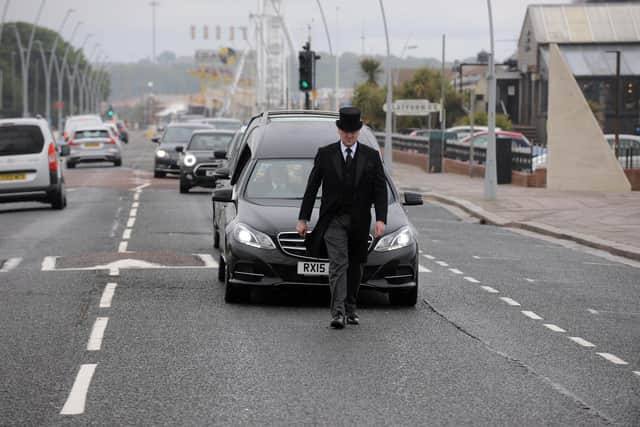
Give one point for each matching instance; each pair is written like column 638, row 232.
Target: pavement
column 605, row 221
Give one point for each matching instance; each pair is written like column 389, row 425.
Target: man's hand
column 301, row 228
column 378, row 229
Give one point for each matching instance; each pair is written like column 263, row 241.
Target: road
column 111, row 314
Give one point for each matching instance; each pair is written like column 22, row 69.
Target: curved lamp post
column 73, row 75
column 60, row 70
column 388, row 149
column 490, row 174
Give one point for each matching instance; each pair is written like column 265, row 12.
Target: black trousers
column 344, row 276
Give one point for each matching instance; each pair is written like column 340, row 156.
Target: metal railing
column 414, row 144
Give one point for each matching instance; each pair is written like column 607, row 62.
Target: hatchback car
column 220, row 122
column 94, row 144
column 72, row 123
column 30, row 167
column 481, row 139
column 268, row 175
column 203, row 155
column 124, row 133
column 166, row 156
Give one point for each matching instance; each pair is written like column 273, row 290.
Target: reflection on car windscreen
column 210, row 142
column 177, row 134
column 227, row 125
column 85, row 134
column 20, row 139
column 279, row 179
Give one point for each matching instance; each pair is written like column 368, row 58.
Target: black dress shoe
column 353, row 319
column 338, row 321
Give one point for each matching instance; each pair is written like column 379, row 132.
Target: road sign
column 58, row 105
column 413, row 107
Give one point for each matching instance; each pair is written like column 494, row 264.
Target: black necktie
column 349, row 158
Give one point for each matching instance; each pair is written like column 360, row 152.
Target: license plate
column 210, row 173
column 13, row 177
column 92, row 145
column 313, row 268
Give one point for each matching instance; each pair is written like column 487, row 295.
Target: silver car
column 94, row 144
column 30, row 166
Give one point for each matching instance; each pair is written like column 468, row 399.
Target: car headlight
column 161, row 153
column 248, row 236
column 396, row 240
column 189, row 160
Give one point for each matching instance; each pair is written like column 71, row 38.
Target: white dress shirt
column 343, row 147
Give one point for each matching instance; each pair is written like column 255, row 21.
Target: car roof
column 23, row 121
column 623, row 135
column 213, row 131
column 195, row 125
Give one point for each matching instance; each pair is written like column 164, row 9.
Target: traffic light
column 110, row 112
column 305, row 66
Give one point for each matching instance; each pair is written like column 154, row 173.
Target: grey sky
column 123, row 27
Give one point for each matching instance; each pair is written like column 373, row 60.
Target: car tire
column 404, row 297
column 221, row 270
column 184, row 187
column 59, row 199
column 234, row 294
column 117, row 163
column 158, row 174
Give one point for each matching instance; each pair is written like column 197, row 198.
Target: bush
column 480, row 119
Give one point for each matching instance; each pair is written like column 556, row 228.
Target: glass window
column 279, row 179
column 86, row 134
column 20, row 139
column 210, row 142
column 177, row 134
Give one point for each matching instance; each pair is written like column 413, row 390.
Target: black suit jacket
column 370, row 188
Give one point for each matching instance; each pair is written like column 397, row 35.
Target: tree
column 167, row 57
column 371, row 69
column 481, row 119
column 369, row 98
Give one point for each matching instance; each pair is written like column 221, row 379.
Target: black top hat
column 349, row 119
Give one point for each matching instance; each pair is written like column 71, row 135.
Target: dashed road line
column 510, row 301
column 122, row 247
column 490, row 289
column 582, row 342
column 126, row 235
column 471, row 279
column 592, row 311
column 531, row 315
column 442, row 263
column 97, row 333
column 78, row 396
column 423, row 269
column 554, row 328
column 136, row 196
column 114, row 271
column 107, row 295
column 135, row 205
column 427, row 256
column 208, row 260
column 529, row 280
column 10, row 264
column 131, row 222
column 637, row 373
column 612, row 358
column 455, row 271
column 133, row 212
column 48, row 263
column 141, row 187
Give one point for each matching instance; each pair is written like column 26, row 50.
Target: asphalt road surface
column 111, row 314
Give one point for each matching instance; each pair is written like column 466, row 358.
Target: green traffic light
column 304, row 84
column 110, row 113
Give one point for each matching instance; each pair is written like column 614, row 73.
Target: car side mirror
column 412, row 199
column 222, row 195
column 221, row 154
column 180, row 149
column 65, row 150
column 155, row 139
column 221, row 173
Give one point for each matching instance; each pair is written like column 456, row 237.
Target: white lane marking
column 78, row 396
column 136, row 196
column 510, row 301
column 122, row 247
column 141, row 187
column 114, row 271
column 10, row 264
column 131, row 222
column 455, row 271
column 133, row 213
column 114, row 228
column 637, row 373
column 49, row 263
column 135, row 204
column 71, row 190
column 612, row 358
column 126, row 235
column 471, row 279
column 582, row 342
column 531, row 315
column 592, row 311
column 490, row 289
column 442, row 263
column 495, row 258
column 427, row 256
column 107, row 295
column 208, row 260
column 97, row 333
column 423, row 269
column 554, row 328
column 420, row 251
column 529, row 280
column 607, row 264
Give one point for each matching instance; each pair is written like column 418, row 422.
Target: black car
column 175, row 135
column 124, row 133
column 203, row 155
column 268, row 175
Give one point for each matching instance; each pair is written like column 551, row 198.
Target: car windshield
column 20, row 139
column 279, row 179
column 210, row 142
column 87, row 134
column 177, row 134
column 226, row 125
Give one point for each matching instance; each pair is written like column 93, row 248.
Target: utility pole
column 490, row 174
column 153, row 5
column 617, row 97
column 60, row 69
column 388, row 148
column 443, row 112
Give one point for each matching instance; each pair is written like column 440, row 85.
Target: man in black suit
column 352, row 179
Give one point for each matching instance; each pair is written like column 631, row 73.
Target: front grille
column 292, row 244
column 201, row 170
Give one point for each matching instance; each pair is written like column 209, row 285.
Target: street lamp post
column 154, row 4
column 73, row 75
column 25, row 59
column 490, row 174
column 388, row 149
column 82, row 79
column 617, row 98
column 60, row 70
